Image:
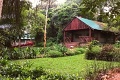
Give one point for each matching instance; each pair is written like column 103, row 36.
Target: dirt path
column 116, row 76
column 113, row 74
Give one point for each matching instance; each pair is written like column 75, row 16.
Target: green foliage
column 59, row 17
column 14, row 25
column 96, row 49
column 95, row 42
column 70, row 52
column 116, row 54
column 54, row 53
column 107, row 52
column 58, row 47
column 75, row 51
column 51, row 41
column 66, row 68
column 117, row 44
column 3, row 62
column 82, row 50
column 36, row 21
column 62, row 48
column 18, row 53
column 97, row 70
column 93, row 52
column 39, row 44
column 53, row 76
column 37, row 72
column 20, row 71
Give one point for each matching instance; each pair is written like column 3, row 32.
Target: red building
column 80, row 31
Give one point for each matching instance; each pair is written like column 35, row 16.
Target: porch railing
column 67, row 39
column 84, row 39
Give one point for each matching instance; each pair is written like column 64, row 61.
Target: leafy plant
column 18, row 53
column 107, row 52
column 37, row 72
column 80, row 50
column 116, row 54
column 93, row 52
column 117, row 44
column 54, row 53
column 20, row 71
column 70, row 52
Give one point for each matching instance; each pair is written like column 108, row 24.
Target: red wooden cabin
column 81, row 31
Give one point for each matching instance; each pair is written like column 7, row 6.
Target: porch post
column 64, row 37
column 90, row 34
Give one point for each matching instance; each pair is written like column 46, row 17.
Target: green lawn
column 63, row 65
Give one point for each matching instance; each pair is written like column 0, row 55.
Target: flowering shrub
column 107, row 52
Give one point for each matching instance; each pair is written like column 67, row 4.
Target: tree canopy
column 21, row 16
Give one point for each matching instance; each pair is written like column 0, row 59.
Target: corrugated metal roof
column 5, row 26
column 90, row 23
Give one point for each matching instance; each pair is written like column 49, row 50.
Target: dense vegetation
column 55, row 61
column 55, row 50
column 33, row 19
column 105, row 52
column 62, row 68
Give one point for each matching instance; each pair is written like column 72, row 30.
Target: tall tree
column 60, row 18
column 12, row 16
column 36, row 22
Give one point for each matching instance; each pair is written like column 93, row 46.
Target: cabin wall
column 104, row 37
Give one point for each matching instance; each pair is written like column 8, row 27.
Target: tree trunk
column 45, row 25
column 1, row 4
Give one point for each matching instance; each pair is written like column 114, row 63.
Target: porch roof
column 92, row 24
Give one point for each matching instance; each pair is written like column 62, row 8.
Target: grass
column 66, row 65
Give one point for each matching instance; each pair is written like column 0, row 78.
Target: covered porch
column 77, row 37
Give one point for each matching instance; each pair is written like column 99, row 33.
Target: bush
column 62, row 49
column 83, row 50
column 58, row 47
column 20, row 71
column 80, row 50
column 95, row 42
column 75, row 51
column 40, row 44
column 107, row 52
column 116, row 54
column 37, row 72
column 98, row 71
column 117, row 44
column 54, row 53
column 18, row 53
column 70, row 52
column 93, row 52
